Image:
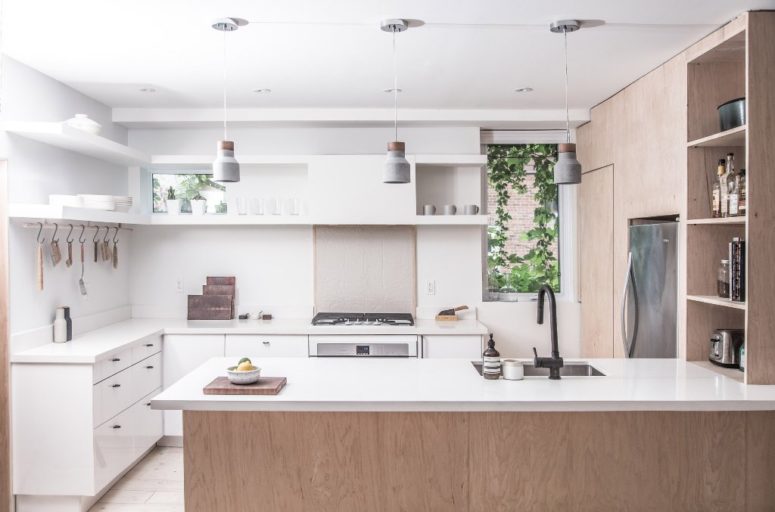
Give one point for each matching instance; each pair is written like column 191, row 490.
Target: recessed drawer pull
column 116, row 386
column 266, row 342
column 116, row 426
column 148, row 404
column 149, row 345
column 116, row 359
column 149, row 367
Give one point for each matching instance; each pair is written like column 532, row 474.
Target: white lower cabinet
column 74, row 437
column 256, row 347
column 445, row 346
column 181, row 355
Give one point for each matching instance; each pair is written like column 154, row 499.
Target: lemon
column 243, row 360
column 245, row 366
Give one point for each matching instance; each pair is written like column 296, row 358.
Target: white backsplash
column 365, row 269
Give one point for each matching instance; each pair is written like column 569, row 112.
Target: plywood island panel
column 473, row 461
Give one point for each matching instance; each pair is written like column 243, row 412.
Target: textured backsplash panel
column 365, row 269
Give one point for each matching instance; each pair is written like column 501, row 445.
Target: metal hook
column 67, row 238
column 107, row 230
column 96, row 234
column 115, row 235
column 81, row 239
column 40, row 230
column 54, row 236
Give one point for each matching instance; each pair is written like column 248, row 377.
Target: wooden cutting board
column 265, row 386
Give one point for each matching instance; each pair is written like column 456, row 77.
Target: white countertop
column 372, row 384
column 102, row 343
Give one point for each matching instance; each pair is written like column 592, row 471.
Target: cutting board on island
column 265, row 386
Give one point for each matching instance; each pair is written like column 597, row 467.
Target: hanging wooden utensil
column 96, row 244
column 39, row 259
column 115, row 248
column 107, row 254
column 69, row 260
column 56, row 252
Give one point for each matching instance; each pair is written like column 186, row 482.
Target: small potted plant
column 173, row 204
column 495, row 281
column 509, row 293
column 198, row 204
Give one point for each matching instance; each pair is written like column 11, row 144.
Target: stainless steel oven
column 363, row 345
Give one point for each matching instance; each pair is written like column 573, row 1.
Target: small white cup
column 511, row 369
column 256, row 206
column 270, row 206
column 470, row 209
column 429, row 209
column 449, row 209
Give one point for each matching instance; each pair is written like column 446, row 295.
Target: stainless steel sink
column 569, row 370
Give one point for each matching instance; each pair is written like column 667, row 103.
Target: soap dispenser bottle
column 491, row 361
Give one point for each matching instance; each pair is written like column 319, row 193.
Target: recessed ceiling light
column 524, row 89
column 390, row 90
column 147, row 89
column 262, row 91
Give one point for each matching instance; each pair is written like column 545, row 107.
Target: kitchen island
column 414, row 434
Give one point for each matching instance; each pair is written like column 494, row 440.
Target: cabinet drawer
column 148, row 426
column 248, row 345
column 112, row 365
column 113, row 395
column 146, row 376
column 146, row 348
column 469, row 347
column 113, row 447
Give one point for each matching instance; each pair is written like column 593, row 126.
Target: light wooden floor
column 154, row 485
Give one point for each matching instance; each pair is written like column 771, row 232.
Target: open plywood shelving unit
column 736, row 62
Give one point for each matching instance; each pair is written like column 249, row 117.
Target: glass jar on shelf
column 723, row 279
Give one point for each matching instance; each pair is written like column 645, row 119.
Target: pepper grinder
column 491, row 361
column 69, row 323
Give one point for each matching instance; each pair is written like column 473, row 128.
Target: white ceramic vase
column 173, row 206
column 198, row 206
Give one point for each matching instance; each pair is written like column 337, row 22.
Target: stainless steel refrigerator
column 649, row 301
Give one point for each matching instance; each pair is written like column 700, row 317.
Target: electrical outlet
column 430, row 287
column 179, row 285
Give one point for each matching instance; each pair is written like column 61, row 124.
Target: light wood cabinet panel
column 596, row 216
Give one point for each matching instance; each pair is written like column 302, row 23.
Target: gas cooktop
column 363, row 319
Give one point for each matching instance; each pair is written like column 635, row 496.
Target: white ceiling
column 311, row 53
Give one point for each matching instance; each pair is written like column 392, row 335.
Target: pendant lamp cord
column 225, row 136
column 567, row 113
column 395, row 87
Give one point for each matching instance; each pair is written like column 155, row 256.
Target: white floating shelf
column 451, row 160
column 716, row 301
column 199, row 161
column 186, row 219
column 452, row 220
column 78, row 141
column 45, row 212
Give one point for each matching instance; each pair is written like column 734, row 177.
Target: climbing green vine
column 507, row 165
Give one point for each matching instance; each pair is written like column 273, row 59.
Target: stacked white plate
column 98, row 202
column 65, row 200
column 122, row 203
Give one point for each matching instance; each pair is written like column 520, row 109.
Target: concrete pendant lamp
column 567, row 170
column 397, row 168
column 225, row 166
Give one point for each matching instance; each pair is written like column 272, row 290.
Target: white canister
column 60, row 326
column 512, row 369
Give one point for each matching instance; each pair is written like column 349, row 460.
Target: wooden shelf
column 717, row 301
column 721, row 221
column 78, row 141
column 186, row 219
column 45, row 212
column 732, row 373
column 730, row 138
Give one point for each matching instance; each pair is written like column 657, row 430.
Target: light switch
column 430, row 288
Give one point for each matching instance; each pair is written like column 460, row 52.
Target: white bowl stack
column 98, row 202
column 122, row 203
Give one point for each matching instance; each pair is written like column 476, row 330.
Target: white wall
column 36, row 170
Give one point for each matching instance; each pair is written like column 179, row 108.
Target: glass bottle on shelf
column 723, row 279
column 724, row 189
column 731, row 184
column 742, row 193
column 716, row 200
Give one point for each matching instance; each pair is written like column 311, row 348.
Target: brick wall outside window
column 521, row 208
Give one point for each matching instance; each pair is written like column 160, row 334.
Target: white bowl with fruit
column 244, row 372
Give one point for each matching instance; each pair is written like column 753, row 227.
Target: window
column 524, row 232
column 187, row 187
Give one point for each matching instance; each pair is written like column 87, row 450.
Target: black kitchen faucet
column 554, row 363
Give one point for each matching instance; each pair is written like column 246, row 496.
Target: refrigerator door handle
column 629, row 346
